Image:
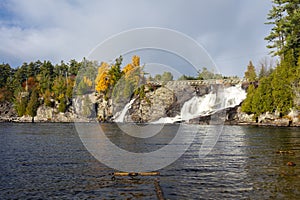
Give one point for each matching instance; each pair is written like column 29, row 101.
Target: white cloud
column 64, row 29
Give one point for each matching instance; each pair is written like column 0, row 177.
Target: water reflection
column 266, row 168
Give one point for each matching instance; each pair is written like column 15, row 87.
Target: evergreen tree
column 205, row 74
column 250, row 74
column 284, row 76
column 33, row 104
column 74, row 67
column 21, row 99
column 262, row 72
column 284, row 36
column 5, row 70
column 167, row 76
column 47, row 98
column 262, row 99
column 62, row 106
column 157, row 77
column 115, row 72
column 247, row 105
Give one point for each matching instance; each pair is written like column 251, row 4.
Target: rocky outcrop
column 7, row 111
column 267, row 119
column 48, row 114
column 104, row 109
column 151, row 108
column 242, row 117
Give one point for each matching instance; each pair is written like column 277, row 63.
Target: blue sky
column 231, row 31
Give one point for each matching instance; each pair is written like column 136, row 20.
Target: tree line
column 36, row 83
column 43, row 83
column 279, row 88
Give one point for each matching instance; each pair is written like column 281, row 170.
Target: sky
column 231, row 31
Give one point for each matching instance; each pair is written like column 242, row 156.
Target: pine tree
column 33, row 104
column 250, row 74
column 21, row 100
column 285, row 17
column 47, row 98
column 62, row 106
column 284, row 76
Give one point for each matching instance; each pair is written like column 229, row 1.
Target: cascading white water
column 198, row 106
column 120, row 116
column 207, row 104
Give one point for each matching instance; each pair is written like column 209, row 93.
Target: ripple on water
column 42, row 161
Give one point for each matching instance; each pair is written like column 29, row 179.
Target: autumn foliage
column 109, row 75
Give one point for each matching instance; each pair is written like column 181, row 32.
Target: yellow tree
column 136, row 60
column 102, row 80
column 129, row 67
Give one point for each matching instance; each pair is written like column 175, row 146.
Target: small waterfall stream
column 120, row 116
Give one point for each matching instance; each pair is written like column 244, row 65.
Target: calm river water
column 49, row 161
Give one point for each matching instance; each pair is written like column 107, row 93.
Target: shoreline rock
column 162, row 102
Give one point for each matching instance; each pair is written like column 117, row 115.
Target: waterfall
column 120, row 116
column 207, row 104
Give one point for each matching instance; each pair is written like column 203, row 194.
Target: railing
column 198, row 82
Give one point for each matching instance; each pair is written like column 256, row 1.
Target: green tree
column 284, row 36
column 250, row 74
column 275, row 92
column 184, row 77
column 33, row 104
column 157, row 77
column 284, row 76
column 62, row 106
column 205, row 74
column 262, row 72
column 248, row 105
column 262, row 99
column 5, row 70
column 47, row 98
column 59, row 87
column 21, row 100
column 46, row 77
column 167, row 76
column 74, row 67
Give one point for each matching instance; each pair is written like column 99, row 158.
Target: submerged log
column 136, row 173
column 286, row 152
column 158, row 190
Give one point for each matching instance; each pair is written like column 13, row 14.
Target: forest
column 43, row 83
column 275, row 89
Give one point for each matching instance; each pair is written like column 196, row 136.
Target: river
column 49, row 161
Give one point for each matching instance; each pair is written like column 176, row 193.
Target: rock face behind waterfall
column 174, row 103
column 155, row 105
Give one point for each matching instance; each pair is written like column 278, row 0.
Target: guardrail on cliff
column 199, row 82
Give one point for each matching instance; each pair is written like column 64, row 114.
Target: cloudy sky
column 231, row 31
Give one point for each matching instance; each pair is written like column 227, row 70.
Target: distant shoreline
column 226, row 123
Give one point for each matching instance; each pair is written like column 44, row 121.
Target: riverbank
column 275, row 123
column 141, row 112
